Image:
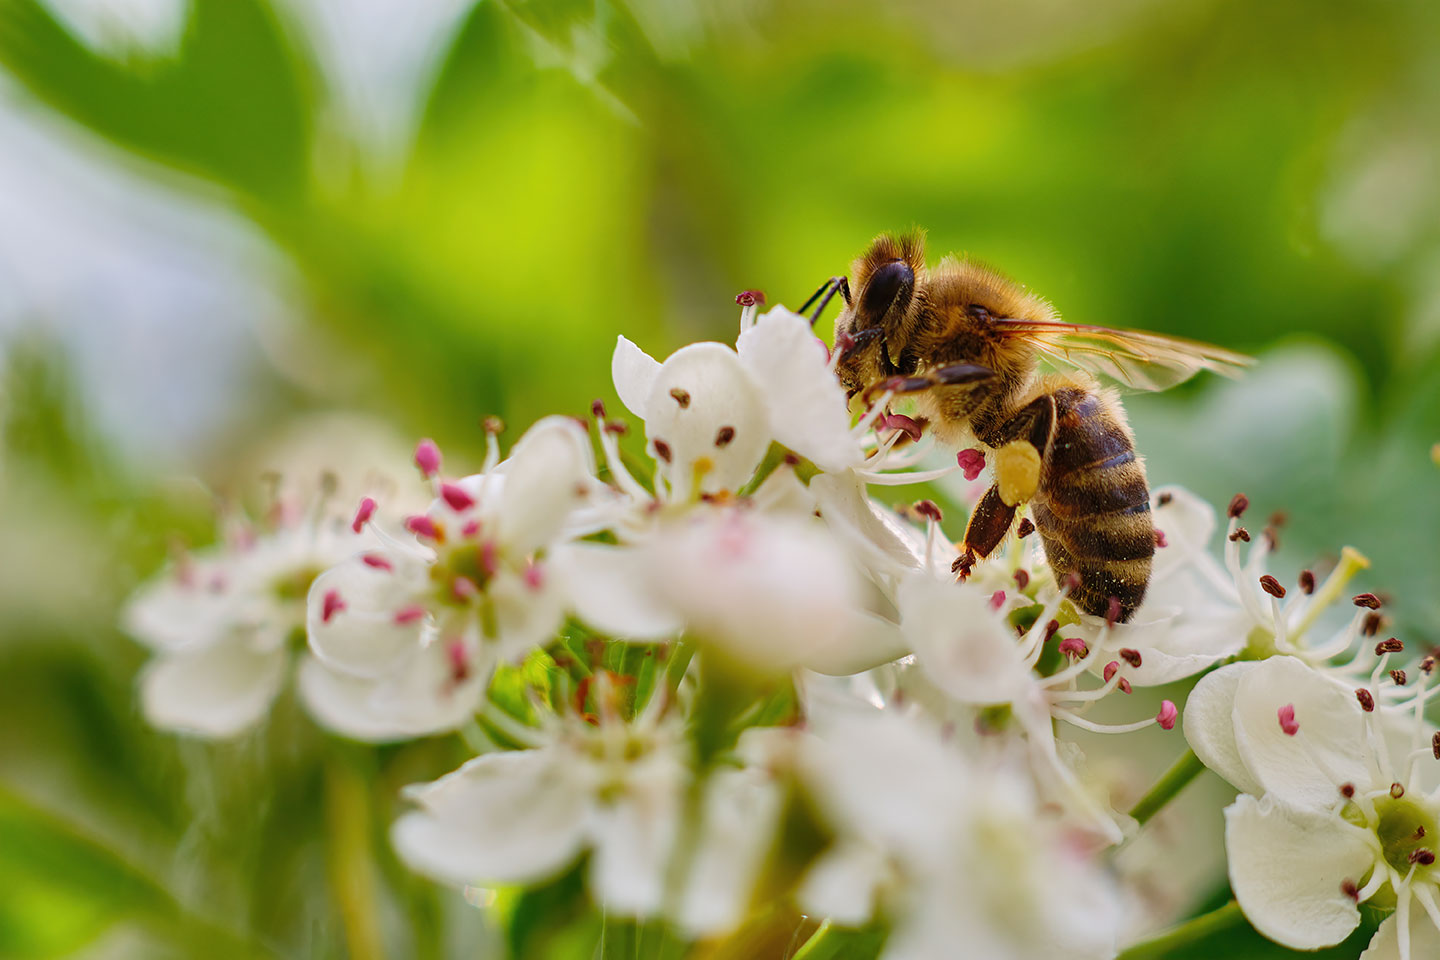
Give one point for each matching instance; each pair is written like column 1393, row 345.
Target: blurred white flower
column 952, row 851
column 124, row 28
column 613, row 788
column 769, row 591
column 616, row 789
column 968, row 649
column 222, row 621
column 414, row 628
column 1338, row 808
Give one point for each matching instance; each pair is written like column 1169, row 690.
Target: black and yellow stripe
column 1093, row 506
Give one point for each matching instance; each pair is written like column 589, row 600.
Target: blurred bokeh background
column 238, row 235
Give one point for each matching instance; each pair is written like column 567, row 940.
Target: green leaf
column 550, row 921
column 231, row 106
column 58, row 888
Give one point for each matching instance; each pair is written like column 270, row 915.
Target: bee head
column 874, row 327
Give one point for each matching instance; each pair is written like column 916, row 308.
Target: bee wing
column 1140, row 360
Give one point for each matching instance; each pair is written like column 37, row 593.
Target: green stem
column 815, row 948
column 1187, row 768
column 352, row 871
column 1162, row 946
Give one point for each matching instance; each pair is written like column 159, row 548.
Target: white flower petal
column 1209, row 724
column 633, row 839
column 362, row 637
column 862, row 771
column 843, row 883
column 769, row 591
column 1171, row 645
column 608, row 589
column 526, row 616
column 421, row 698
column 1330, row 721
column 634, row 372
column 964, row 646
column 1424, row 939
column 509, row 817
column 870, row 641
column 741, row 813
column 782, row 492
column 218, row 690
column 1287, row 867
column 705, row 408
column 168, row 614
column 1187, row 522
column 545, row 481
column 808, row 410
column 889, row 548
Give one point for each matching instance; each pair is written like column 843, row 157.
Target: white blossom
column 522, row 816
column 970, row 652
column 953, row 851
column 222, row 621
column 771, row 592
column 413, row 628
column 1340, row 803
column 616, row 789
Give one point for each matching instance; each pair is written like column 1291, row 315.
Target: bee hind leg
column 989, row 523
column 1017, row 472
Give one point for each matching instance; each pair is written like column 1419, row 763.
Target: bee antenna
column 828, row 288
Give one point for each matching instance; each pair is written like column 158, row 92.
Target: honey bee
column 968, row 344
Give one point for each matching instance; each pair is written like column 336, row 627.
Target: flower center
column 1408, row 834
column 294, row 585
column 467, row 562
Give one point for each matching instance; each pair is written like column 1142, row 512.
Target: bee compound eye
column 887, row 285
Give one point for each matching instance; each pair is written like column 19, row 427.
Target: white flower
column 522, row 816
column 617, row 790
column 952, row 851
column 704, row 416
column 414, row 629
column 1225, row 608
column 720, row 408
column 968, row 650
column 223, row 620
column 738, row 822
column 1338, row 809
column 770, row 591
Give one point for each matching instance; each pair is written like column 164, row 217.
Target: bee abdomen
column 1093, row 506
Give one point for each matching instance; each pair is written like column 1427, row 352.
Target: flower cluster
column 717, row 674
column 1328, row 742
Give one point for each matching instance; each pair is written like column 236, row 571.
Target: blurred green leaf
column 232, row 105
column 59, row 889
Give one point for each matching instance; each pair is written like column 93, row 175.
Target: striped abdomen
column 1093, row 505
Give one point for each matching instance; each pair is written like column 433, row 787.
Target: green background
column 1263, row 176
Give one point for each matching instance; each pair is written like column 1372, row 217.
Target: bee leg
column 989, row 523
column 957, row 373
column 948, row 376
column 850, row 342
